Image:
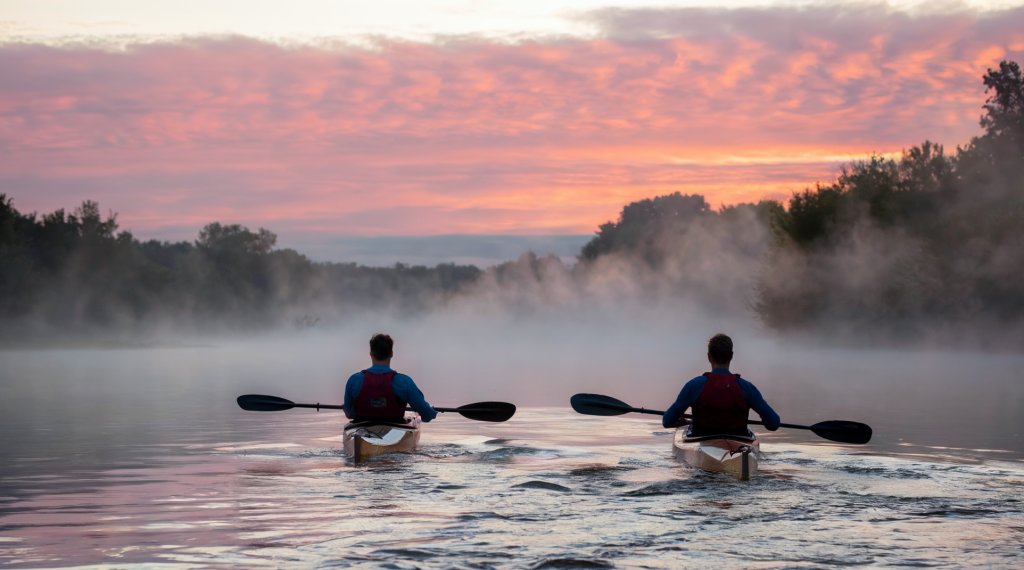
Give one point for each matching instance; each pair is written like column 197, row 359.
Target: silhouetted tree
column 903, row 245
column 1004, row 116
column 641, row 221
column 70, row 274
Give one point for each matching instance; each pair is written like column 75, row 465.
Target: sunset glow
column 476, row 135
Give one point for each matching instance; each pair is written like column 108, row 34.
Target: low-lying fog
column 78, row 402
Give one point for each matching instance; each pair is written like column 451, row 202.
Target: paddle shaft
column 687, row 416
column 319, row 407
column 479, row 411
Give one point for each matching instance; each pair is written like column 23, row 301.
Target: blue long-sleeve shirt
column 692, row 389
column 403, row 386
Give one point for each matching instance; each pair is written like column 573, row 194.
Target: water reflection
column 552, row 490
column 140, row 459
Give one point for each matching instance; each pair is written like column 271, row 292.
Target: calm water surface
column 139, row 459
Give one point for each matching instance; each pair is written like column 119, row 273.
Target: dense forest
column 897, row 249
column 905, row 246
column 893, row 249
column 73, row 274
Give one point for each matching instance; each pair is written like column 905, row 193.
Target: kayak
column 732, row 454
column 363, row 440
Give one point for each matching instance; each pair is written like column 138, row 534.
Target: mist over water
column 920, row 397
column 141, row 455
column 130, row 451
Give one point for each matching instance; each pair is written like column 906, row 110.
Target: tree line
column 900, row 246
column 928, row 239
column 68, row 274
column 896, row 245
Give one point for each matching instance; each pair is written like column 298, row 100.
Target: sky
column 371, row 131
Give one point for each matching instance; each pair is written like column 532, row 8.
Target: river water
column 141, row 459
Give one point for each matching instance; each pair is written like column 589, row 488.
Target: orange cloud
column 475, row 136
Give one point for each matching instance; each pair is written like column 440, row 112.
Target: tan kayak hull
column 735, row 456
column 363, row 441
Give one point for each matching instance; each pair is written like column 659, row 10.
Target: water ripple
column 500, row 500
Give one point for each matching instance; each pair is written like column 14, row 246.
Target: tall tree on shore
column 926, row 239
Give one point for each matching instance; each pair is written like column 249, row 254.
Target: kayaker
column 380, row 393
column 720, row 399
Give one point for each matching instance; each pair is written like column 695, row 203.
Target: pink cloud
column 473, row 136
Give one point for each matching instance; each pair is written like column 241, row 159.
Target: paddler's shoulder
column 357, row 377
column 748, row 388
column 696, row 383
column 403, row 378
column 404, row 385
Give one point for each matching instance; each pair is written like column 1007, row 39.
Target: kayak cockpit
column 734, row 454
column 749, row 438
column 365, row 439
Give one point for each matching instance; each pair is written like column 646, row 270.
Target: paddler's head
column 720, row 351
column 381, row 349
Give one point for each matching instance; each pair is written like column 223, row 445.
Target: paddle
column 835, row 430
column 480, row 411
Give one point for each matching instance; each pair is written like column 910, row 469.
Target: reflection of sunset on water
column 139, row 456
column 551, row 486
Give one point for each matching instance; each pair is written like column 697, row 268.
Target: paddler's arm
column 687, row 396
column 406, row 389
column 756, row 402
column 352, row 388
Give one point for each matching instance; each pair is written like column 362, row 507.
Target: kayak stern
column 364, row 440
column 735, row 455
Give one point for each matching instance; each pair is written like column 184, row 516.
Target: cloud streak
column 466, row 135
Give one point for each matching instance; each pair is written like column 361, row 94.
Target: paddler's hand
column 680, row 422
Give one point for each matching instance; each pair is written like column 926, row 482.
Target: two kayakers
column 720, row 400
column 380, row 393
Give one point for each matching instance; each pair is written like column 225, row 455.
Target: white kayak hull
column 364, row 440
column 734, row 455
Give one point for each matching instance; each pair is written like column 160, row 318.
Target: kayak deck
column 363, row 440
column 732, row 454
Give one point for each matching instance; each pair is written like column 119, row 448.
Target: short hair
column 381, row 346
column 720, row 348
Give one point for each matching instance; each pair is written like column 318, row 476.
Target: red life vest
column 721, row 405
column 377, row 397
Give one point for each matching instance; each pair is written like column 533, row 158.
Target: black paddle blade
column 843, row 432
column 258, row 403
column 598, row 405
column 487, row 411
